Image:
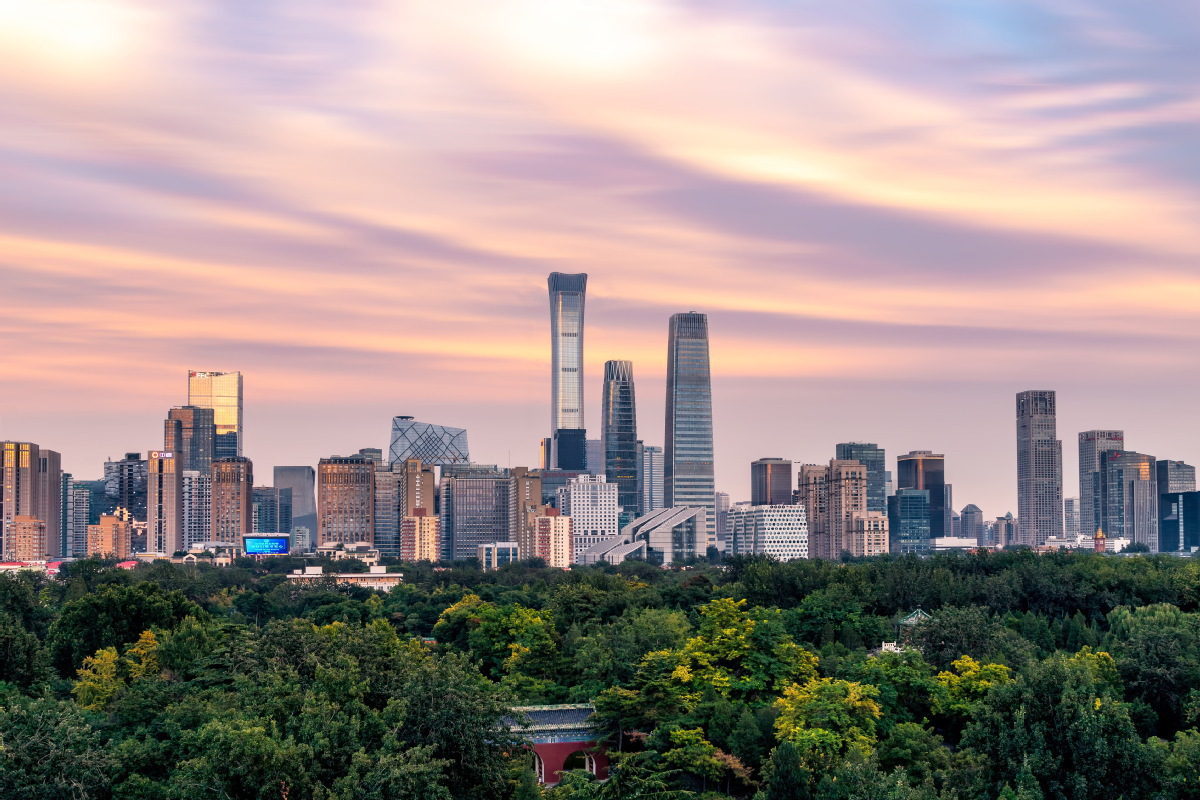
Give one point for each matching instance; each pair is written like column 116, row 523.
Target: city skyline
column 952, row 206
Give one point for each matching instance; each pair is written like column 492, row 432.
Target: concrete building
column 27, row 539
column 664, row 537
column 376, row 578
column 1092, row 447
column 345, row 500
column 771, row 482
column 197, row 507
column 125, row 485
column 110, row 538
column 779, row 531
column 230, row 514
column 1005, row 531
column 869, row 534
column 974, row 526
column 79, row 514
column 420, row 536
column 688, row 455
column 164, row 524
column 592, row 503
column 835, row 496
column 549, row 536
column 222, row 392
column 1039, row 467
column 31, row 487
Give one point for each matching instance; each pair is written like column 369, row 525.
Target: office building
column 1178, row 522
column 688, row 454
column 196, row 488
column 1039, row 468
column 974, row 526
column 651, row 486
column 771, row 482
column 420, row 536
column 835, row 498
column 476, row 508
column 618, row 434
column 494, row 555
column 592, row 504
column 164, row 523
column 125, row 485
column 1092, row 447
column 222, row 392
column 1005, row 531
column 776, row 530
column 1175, row 477
column 1071, row 527
column 568, row 438
column 302, row 480
column 272, row 509
column 433, row 445
column 924, row 469
column 79, row 515
column 721, row 506
column 399, row 489
column 594, row 456
column 190, row 432
column 111, row 537
column 1129, row 495
column 909, row 516
column 345, row 500
column 231, row 515
column 670, row 535
column 32, row 487
column 874, row 458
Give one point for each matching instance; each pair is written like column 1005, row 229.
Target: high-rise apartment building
column 345, row 500
column 835, row 497
column 399, row 489
column 190, row 432
column 79, row 515
column 771, row 482
column 909, row 517
column 164, row 522
column 651, row 485
column 721, row 505
column 688, row 456
column 433, row 445
column 618, row 433
column 111, row 537
column 197, row 507
column 231, row 516
column 222, row 392
column 874, row 458
column 1039, row 468
column 568, row 438
column 548, row 536
column 591, row 503
column 125, row 485
column 27, row 539
column 1092, row 447
column 776, row 530
column 1129, row 494
column 302, row 480
column 1005, row 531
column 32, row 482
column 924, row 469
column 420, row 534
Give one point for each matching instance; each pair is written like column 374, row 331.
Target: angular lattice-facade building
column 434, row 445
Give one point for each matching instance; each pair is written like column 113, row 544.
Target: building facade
column 125, row 485
column 1071, row 527
column 110, row 538
column 910, row 518
column 222, row 392
column 476, row 508
column 197, row 507
column 345, row 500
column 567, row 301
column 592, row 503
column 1092, row 447
column 974, row 526
column 231, row 511
column 924, row 469
column 1129, row 494
column 433, row 445
column 164, row 524
column 302, row 480
column 771, row 482
column 32, row 486
column 651, row 487
column 688, row 476
column 190, row 432
column 420, row 536
column 776, row 530
column 835, row 497
column 618, row 433
column 1039, row 467
column 874, row 458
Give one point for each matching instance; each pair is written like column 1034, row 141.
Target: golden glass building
column 222, row 392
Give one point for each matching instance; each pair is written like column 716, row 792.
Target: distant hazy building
column 434, row 445
column 771, row 482
column 272, row 509
column 780, row 531
column 231, row 516
column 911, row 522
column 125, row 484
column 874, row 458
column 1039, row 467
column 302, row 480
column 420, row 536
column 164, row 523
column 924, row 469
column 1071, row 527
column 688, row 455
column 1174, row 477
column 345, row 500
column 111, row 537
column 592, row 504
column 1092, row 447
column 721, row 506
column 835, row 497
column 974, row 526
column 190, row 432
column 494, row 555
column 1005, row 531
column 567, row 301
column 1178, row 522
column 79, row 516
column 222, row 392
column 651, row 488
column 618, row 433
column 1129, row 494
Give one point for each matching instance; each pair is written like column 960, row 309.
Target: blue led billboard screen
column 267, row 545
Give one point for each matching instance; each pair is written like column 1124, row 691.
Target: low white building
column 779, row 531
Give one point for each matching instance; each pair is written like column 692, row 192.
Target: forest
column 1034, row 677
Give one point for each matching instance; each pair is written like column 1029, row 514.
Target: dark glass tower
column 567, row 294
column 922, row 469
column 771, row 482
column 1039, row 468
column 909, row 521
column 688, row 457
column 871, row 456
column 190, row 433
column 619, row 435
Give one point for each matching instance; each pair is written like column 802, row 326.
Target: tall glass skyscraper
column 190, row 433
column 926, row 470
column 1092, row 447
column 688, row 458
column 566, row 370
column 619, row 435
column 771, row 482
column 871, row 456
column 1039, row 468
column 222, row 392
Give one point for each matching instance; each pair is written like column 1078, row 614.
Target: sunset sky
column 895, row 214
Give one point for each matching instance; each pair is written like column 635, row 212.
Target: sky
column 896, row 216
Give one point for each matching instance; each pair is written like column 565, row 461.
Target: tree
column 955, row 632
column 99, row 682
column 826, row 718
column 786, row 777
column 907, row 686
column 51, row 751
column 915, row 749
column 22, row 660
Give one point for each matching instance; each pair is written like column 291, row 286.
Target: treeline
column 1036, row 676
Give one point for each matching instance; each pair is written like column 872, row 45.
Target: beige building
column 164, row 502
column 345, row 500
column 232, row 515
column 420, row 536
column 835, row 497
column 30, row 486
column 869, row 531
column 399, row 490
column 27, row 539
column 110, row 538
column 547, row 535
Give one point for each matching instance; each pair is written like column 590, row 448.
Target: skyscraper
column 688, row 455
column 592, row 504
column 190, row 433
column 222, row 392
column 302, row 480
column 125, row 485
column 1092, row 447
column 1129, row 494
column 567, row 295
column 272, row 509
column 434, row 445
column 771, row 482
column 231, row 516
column 1071, row 527
column 874, row 458
column 345, row 500
column 835, row 498
column 164, row 530
column 973, row 524
column 924, row 469
column 477, row 508
column 909, row 518
column 618, row 432
column 1039, row 468
column 197, row 507
column 651, row 489
column 1175, row 477
column 31, row 485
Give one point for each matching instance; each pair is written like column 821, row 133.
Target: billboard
column 267, row 545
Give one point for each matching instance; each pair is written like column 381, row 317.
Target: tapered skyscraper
column 1039, row 468
column 688, row 461
column 568, row 438
column 619, row 436
column 222, row 392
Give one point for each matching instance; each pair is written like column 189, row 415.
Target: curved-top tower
column 566, row 369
